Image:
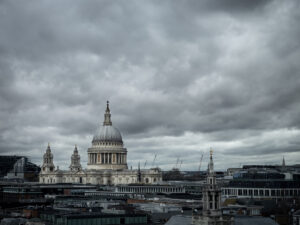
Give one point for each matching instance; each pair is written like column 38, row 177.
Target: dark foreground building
column 58, row 218
column 18, row 168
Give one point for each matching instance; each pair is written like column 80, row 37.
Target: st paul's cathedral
column 107, row 162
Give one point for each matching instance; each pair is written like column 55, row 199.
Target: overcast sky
column 181, row 77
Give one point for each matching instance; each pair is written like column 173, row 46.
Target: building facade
column 107, row 162
column 264, row 182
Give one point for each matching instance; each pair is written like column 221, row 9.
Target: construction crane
column 200, row 162
column 154, row 160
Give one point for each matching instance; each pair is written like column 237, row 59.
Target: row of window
column 108, row 143
column 261, row 192
column 150, row 189
column 99, row 180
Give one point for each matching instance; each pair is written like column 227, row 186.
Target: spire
column 139, row 175
column 107, row 120
column 211, row 162
column 48, row 148
column 211, row 191
column 283, row 162
column 75, row 149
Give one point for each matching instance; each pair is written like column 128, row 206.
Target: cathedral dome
column 108, row 133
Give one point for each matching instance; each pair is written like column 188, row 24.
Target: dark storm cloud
column 181, row 77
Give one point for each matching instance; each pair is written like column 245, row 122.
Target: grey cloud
column 207, row 73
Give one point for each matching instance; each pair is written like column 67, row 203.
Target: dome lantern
column 107, row 115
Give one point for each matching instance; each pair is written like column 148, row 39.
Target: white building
column 107, row 162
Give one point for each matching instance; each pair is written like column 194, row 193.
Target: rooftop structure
column 263, row 182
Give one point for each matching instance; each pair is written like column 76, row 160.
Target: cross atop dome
column 107, row 115
column 48, row 148
column 107, row 106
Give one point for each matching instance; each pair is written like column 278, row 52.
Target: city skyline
column 181, row 78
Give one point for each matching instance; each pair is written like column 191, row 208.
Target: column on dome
column 114, row 158
column 98, row 158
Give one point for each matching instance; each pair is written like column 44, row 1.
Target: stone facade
column 107, row 162
column 211, row 213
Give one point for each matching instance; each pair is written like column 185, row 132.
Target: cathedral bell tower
column 211, row 213
column 75, row 161
column 48, row 165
